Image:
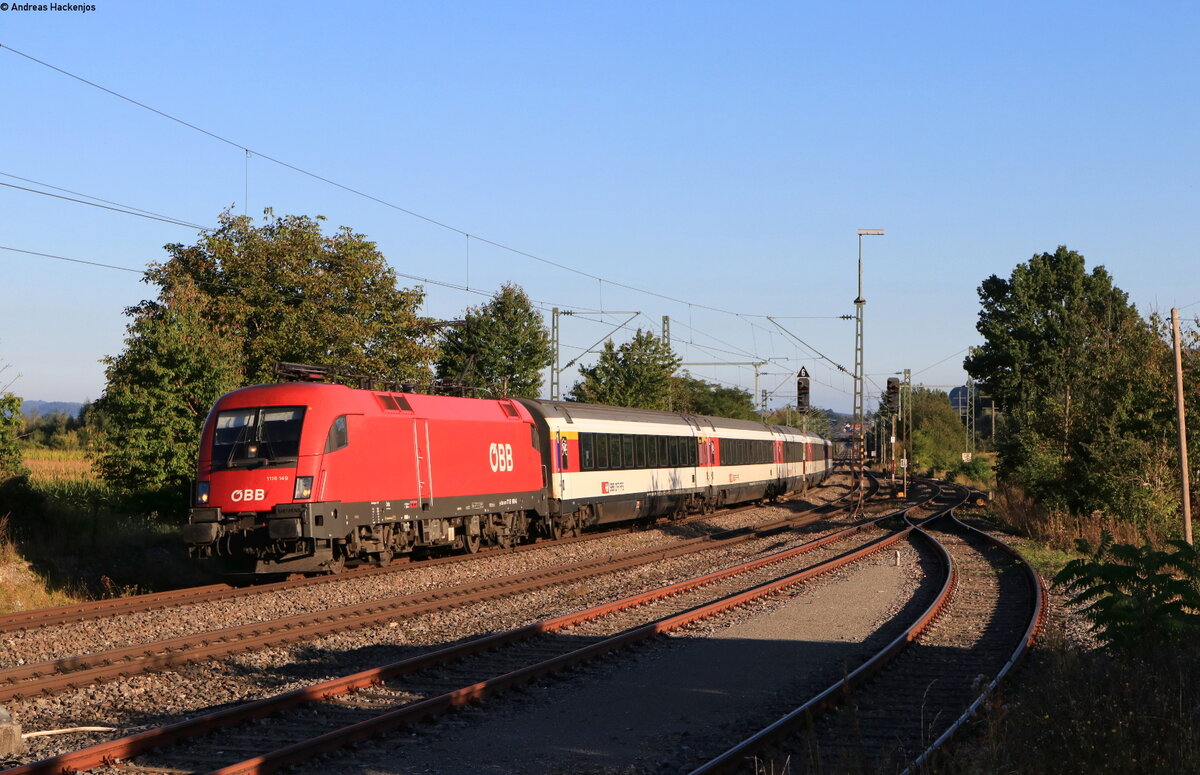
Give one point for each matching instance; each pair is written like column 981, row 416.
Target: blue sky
column 721, row 154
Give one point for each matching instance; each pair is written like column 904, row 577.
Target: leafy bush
column 978, row 470
column 1137, row 597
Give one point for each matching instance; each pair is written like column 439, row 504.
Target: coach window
column 585, row 452
column 614, row 451
column 652, row 452
column 600, row 448
column 640, row 442
column 627, row 458
column 338, row 435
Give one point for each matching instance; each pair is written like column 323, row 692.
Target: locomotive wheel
column 471, row 542
column 472, row 535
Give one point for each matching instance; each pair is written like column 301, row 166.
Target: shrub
column 1137, row 597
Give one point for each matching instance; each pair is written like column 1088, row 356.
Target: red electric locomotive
column 300, row 477
column 305, row 476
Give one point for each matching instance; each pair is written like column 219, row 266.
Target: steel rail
column 78, row 612
column 337, row 739
column 734, row 758
column 1032, row 632
column 125, row 748
column 74, row 672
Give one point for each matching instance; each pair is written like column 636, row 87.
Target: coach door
column 560, row 462
column 424, row 466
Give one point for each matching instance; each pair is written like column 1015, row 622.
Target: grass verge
column 63, row 539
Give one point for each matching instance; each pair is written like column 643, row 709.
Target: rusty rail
column 732, row 759
column 124, row 748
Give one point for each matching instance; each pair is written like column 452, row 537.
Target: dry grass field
column 53, row 465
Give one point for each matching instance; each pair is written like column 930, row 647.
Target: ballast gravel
column 154, row 699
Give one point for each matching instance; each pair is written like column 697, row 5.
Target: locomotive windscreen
column 258, row 436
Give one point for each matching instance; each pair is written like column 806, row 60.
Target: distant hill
column 30, row 408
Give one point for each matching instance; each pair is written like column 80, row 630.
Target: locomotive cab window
column 258, row 436
column 339, row 435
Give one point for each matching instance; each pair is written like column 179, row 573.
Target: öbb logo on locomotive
column 311, row 476
column 500, row 456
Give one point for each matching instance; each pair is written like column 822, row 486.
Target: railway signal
column 893, row 394
column 802, row 390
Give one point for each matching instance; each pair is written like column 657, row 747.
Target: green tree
column 501, row 347
column 1079, row 375
column 290, row 292
column 11, row 425
column 637, row 374
column 938, row 434
column 229, row 307
column 696, row 396
column 816, row 420
column 178, row 360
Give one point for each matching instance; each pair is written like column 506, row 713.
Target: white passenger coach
column 609, row 464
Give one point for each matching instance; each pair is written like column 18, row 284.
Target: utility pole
column 555, row 345
column 858, row 439
column 906, row 412
column 554, row 369
column 892, row 449
column 1181, row 412
column 970, row 417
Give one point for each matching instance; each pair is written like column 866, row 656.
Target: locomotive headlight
column 303, row 488
column 202, row 493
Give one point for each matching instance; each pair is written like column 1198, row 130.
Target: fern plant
column 1136, row 597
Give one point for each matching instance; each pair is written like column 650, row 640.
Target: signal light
column 802, row 391
column 893, row 394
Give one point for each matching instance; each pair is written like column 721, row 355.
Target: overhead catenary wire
column 74, row 260
column 371, row 197
column 750, row 318
column 812, row 349
column 544, row 305
column 130, row 210
column 117, row 209
column 939, row 363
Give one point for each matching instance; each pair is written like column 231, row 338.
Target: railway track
column 50, row 677
column 78, row 612
column 336, row 713
column 897, row 709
